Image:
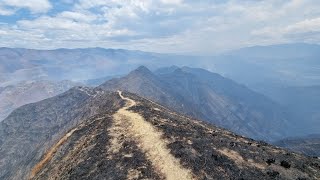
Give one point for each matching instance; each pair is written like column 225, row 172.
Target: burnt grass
column 82, row 162
column 197, row 145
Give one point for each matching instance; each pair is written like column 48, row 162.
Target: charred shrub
column 315, row 165
column 285, row 164
column 270, row 161
column 273, row 174
column 215, row 157
column 232, row 144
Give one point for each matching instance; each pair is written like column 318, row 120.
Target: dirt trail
column 150, row 141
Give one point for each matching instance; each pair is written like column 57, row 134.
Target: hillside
column 208, row 96
column 309, row 145
column 14, row 96
column 302, row 103
column 122, row 136
column 30, row 130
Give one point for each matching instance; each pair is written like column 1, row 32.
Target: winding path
column 150, row 141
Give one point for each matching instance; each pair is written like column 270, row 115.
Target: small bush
column 273, row 174
column 270, row 161
column 285, row 164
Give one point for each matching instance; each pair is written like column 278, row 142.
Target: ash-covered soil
column 128, row 137
column 215, row 153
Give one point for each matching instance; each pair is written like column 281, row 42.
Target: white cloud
column 5, row 12
column 302, row 30
column 172, row 1
column 164, row 25
column 77, row 27
column 35, row 6
column 77, row 16
column 304, row 26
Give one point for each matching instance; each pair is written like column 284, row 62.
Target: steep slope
column 143, row 82
column 143, row 140
column 309, row 145
column 303, row 103
column 260, row 113
column 26, row 92
column 30, row 130
column 210, row 97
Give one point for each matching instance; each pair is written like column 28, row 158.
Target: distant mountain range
column 256, row 67
column 309, row 145
column 208, row 96
column 77, row 64
column 278, row 51
column 89, row 133
column 14, row 96
column 277, row 65
column 98, row 81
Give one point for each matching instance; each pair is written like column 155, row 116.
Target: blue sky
column 175, row 26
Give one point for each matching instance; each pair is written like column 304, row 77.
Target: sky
column 171, row 26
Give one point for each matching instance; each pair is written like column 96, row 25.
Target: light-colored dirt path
column 150, row 142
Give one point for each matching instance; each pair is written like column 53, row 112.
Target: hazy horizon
column 177, row 26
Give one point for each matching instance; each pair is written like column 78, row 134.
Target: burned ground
column 215, row 153
column 86, row 155
column 102, row 146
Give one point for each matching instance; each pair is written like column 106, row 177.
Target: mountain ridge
column 94, row 137
column 212, row 98
column 179, row 147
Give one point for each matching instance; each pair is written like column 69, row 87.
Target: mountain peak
column 142, row 70
column 134, row 79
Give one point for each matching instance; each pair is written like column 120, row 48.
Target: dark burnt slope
column 102, row 147
column 216, row 153
column 32, row 129
column 86, row 155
